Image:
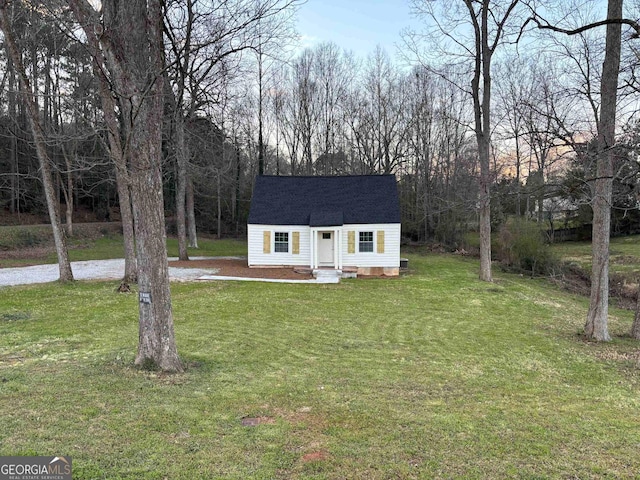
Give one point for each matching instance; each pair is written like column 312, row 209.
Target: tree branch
column 544, row 25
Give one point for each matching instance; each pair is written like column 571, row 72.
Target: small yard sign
column 145, row 297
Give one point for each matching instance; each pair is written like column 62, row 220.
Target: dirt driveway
column 237, row 267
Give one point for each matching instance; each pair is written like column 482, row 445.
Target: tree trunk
column 46, row 104
column 14, row 206
column 68, row 193
column 156, row 336
column 235, row 194
column 132, row 41
column 181, row 185
column 219, row 188
column 482, row 108
column 41, row 150
column 596, row 326
column 191, row 214
column 260, row 126
column 180, row 111
column 126, row 216
column 518, row 193
column 485, row 228
column 540, row 200
column 635, row 328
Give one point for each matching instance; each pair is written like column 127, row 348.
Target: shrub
column 16, row 237
column 521, row 247
column 29, row 238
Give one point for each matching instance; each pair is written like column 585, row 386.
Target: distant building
column 558, row 208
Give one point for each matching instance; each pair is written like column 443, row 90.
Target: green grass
column 624, row 255
column 210, row 247
column 432, row 375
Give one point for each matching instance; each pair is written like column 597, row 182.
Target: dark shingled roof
column 325, row 201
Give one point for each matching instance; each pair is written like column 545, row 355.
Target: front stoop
column 327, row 275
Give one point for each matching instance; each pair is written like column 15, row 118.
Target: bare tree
column 206, row 41
column 115, row 148
column 306, row 111
column 334, row 72
column 608, row 169
column 384, row 113
column 12, row 105
column 596, row 327
column 544, row 118
column 183, row 60
column 489, row 22
column 39, row 140
column 513, row 93
column 530, row 114
column 130, row 35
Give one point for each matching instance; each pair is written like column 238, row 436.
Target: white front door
column 325, row 249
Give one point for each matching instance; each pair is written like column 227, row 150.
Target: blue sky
column 357, row 25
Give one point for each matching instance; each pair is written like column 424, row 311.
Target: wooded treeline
column 240, row 99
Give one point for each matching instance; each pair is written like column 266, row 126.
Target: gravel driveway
column 88, row 270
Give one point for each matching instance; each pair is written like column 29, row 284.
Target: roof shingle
column 324, row 201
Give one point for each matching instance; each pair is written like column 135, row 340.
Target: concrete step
column 327, row 276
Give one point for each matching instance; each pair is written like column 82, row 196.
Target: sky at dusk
column 357, row 25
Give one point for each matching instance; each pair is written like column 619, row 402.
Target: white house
column 342, row 223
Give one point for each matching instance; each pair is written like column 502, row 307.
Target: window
column 281, row 242
column 366, row 242
column 326, row 235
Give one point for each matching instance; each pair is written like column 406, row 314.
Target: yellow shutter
column 266, row 242
column 351, row 242
column 380, row 247
column 295, row 243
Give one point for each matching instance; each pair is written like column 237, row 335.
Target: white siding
column 391, row 255
column 255, row 246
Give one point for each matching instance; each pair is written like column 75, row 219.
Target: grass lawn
column 432, row 375
column 624, row 255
